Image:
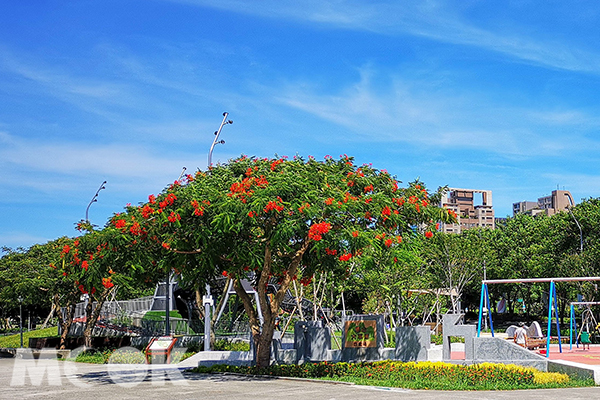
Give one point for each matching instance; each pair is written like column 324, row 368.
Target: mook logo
column 126, row 367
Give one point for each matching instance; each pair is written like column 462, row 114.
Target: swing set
column 485, row 298
column 587, row 319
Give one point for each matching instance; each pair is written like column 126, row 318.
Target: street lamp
column 94, row 199
column 207, row 300
column 216, row 140
column 576, row 222
column 20, row 299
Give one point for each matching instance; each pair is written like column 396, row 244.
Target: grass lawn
column 14, row 341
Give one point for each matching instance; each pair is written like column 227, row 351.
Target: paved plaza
column 50, row 379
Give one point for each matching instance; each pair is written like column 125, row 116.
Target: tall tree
column 279, row 220
column 455, row 261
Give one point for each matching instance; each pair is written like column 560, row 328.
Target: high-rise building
column 558, row 201
column 468, row 214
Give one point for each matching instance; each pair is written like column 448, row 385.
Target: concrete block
column 412, row 343
column 357, row 354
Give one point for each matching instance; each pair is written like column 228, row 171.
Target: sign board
column 360, row 333
column 162, row 343
column 160, row 349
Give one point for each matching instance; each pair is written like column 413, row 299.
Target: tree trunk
column 263, row 344
column 92, row 313
column 50, row 314
column 263, row 334
column 213, row 319
column 66, row 322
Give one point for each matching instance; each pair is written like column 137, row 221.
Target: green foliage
column 422, row 375
column 32, row 275
column 227, row 345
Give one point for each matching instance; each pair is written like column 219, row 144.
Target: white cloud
column 420, row 114
column 75, row 160
column 430, row 19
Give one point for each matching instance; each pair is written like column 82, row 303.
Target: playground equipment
column 485, row 296
column 587, row 319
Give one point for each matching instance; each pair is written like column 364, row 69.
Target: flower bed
column 421, row 375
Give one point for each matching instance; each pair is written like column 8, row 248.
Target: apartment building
column 558, row 201
column 470, row 212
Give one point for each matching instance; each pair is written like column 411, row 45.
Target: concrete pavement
column 64, row 380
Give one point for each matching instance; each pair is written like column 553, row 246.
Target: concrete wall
column 412, row 343
column 357, row 354
column 497, row 350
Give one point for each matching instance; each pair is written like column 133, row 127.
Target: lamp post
column 94, row 199
column 216, row 140
column 576, row 222
column 20, row 299
column 207, row 300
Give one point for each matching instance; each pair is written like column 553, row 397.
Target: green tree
column 455, row 261
column 276, row 221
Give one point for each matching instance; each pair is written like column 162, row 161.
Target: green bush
column 226, row 345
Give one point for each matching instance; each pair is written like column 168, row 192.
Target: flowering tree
column 97, row 261
column 276, row 221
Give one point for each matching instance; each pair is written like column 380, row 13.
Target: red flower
column 388, row 242
column 386, row 211
column 355, row 233
column 252, row 214
column 135, row 229
column 303, row 207
column 346, row 257
column 84, row 265
column 428, row 234
column 317, row 230
column 152, row 199
column 272, row 205
column 224, row 273
column 66, row 249
column 120, row 223
column 329, row 201
column 107, row 283
column 147, row 211
column 173, row 217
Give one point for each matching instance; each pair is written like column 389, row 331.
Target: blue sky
column 501, row 96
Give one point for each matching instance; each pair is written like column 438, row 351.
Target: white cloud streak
column 428, row 19
column 75, row 160
column 412, row 113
